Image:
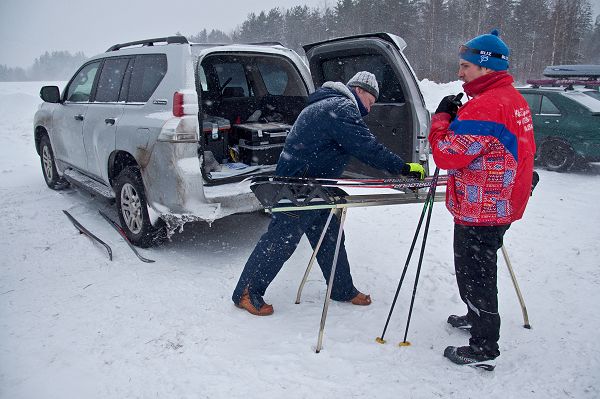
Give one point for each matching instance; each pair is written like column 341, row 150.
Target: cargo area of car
column 248, row 105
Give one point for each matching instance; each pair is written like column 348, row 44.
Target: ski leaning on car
column 488, row 147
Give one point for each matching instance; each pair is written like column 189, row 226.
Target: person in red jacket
column 487, row 146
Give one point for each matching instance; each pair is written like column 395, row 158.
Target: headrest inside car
column 233, row 92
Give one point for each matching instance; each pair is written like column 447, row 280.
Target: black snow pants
column 475, row 257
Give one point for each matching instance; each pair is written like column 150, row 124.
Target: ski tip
column 404, row 343
column 380, row 340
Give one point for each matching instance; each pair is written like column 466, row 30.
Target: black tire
column 557, row 156
column 133, row 211
column 53, row 180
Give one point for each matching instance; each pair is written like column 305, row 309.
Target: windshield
column 589, row 102
column 593, row 94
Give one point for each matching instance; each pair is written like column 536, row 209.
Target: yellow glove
column 415, row 170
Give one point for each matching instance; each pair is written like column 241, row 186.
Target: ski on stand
column 83, row 230
column 121, row 232
column 273, row 191
column 393, row 183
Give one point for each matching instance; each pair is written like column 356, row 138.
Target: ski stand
column 83, row 230
column 121, row 232
column 282, row 194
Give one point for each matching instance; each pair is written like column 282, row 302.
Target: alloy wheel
column 47, row 160
column 131, row 208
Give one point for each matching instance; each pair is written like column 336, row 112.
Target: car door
column 545, row 114
column 103, row 114
column 68, row 120
column 399, row 118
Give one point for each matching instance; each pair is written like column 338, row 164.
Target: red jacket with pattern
column 488, row 152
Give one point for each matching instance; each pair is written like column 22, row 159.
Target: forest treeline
column 538, row 32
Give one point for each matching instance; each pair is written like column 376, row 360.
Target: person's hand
column 450, row 105
column 415, row 170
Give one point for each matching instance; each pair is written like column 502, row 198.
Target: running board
column 89, row 184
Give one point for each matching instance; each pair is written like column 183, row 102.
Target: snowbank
column 75, row 325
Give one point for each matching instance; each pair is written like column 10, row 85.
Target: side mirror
column 50, row 94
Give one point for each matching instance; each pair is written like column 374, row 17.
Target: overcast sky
column 28, row 28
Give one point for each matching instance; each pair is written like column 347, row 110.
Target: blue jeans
column 279, row 243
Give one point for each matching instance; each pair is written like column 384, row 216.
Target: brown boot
column 361, row 299
column 246, row 303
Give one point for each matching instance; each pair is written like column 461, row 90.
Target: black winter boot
column 466, row 355
column 460, row 322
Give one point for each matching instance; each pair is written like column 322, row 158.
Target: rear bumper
column 176, row 193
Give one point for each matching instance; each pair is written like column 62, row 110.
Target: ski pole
column 516, row 285
column 414, row 293
column 381, row 339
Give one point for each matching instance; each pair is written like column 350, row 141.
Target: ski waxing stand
column 280, row 194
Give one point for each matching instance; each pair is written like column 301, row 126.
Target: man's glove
column 415, row 170
column 450, row 105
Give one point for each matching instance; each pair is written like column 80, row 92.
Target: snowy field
column 75, row 325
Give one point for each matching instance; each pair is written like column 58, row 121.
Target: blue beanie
column 487, row 51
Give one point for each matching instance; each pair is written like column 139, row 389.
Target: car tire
column 133, row 210
column 53, row 180
column 557, row 156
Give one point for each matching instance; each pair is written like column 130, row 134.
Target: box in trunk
column 264, row 154
column 215, row 132
column 260, row 133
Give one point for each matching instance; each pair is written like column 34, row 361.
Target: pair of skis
column 274, row 191
column 116, row 226
column 393, row 183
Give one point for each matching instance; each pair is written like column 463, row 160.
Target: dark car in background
column 566, row 124
column 566, row 115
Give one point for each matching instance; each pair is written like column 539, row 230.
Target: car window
column 232, row 79
column 534, row 102
column 548, row 107
column 148, row 71
column 593, row 94
column 80, row 88
column 341, row 69
column 111, row 77
column 280, row 77
column 202, row 77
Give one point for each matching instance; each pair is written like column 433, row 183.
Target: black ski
column 394, row 183
column 83, row 230
column 273, row 191
column 120, row 230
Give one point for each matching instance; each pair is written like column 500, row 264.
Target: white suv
column 169, row 129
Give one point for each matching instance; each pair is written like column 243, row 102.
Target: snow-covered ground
column 75, row 325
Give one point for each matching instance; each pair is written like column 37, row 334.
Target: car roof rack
column 245, row 44
column 569, row 83
column 572, row 71
column 150, row 42
column 273, row 43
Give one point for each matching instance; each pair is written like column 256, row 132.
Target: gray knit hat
column 365, row 80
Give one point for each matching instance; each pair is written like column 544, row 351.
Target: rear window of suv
column 229, row 76
column 148, row 71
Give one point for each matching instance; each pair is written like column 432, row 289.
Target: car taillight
column 178, row 104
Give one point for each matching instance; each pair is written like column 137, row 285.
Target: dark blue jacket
column 327, row 133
